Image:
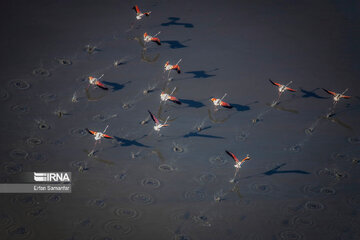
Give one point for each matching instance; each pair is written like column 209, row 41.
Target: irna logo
column 52, row 177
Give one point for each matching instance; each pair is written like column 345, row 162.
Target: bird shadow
column 240, row 108
column 116, row 86
column 196, row 133
column 174, row 44
column 202, row 74
column 275, row 170
column 192, row 103
column 311, row 93
column 126, row 142
column 174, row 21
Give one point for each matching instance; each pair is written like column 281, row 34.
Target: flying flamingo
column 148, row 38
column 96, row 82
column 158, row 125
column 139, row 14
column 164, row 97
column 219, row 102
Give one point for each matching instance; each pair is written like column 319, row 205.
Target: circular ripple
column 295, row 148
column 98, row 203
column 177, row 148
column 37, row 158
column 202, row 220
column 150, row 182
column 53, row 198
column 18, row 154
column 340, row 156
column 328, row 191
column 36, row 212
column 25, row 200
column 43, row 126
column 335, row 173
column 218, row 161
column 41, row 72
column 80, row 164
column 206, row 178
column 99, row 117
column 290, row 235
column 120, row 177
column 141, row 198
column 129, row 213
column 127, row 106
column 314, row 206
column 48, row 97
column 19, row 108
column 303, row 221
column 195, row 195
column 33, row 141
column 354, row 140
column 117, row 227
column 166, row 168
column 64, row 61
column 261, row 188
column 13, row 168
column 78, row 132
column 180, row 215
column 19, row 232
column 84, row 223
column 5, row 220
column 4, row 95
column 20, row 84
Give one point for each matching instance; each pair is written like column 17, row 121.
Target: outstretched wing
column 290, row 89
column 101, row 85
column 136, row 8
column 233, row 156
column 153, row 117
column 225, row 104
column 174, row 99
column 107, row 136
column 91, row 132
column 157, row 40
column 147, row 13
column 329, row 92
column 346, row 97
column 276, row 84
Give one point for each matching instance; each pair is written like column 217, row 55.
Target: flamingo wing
column 232, row 155
column 175, row 100
column 177, row 68
column 101, row 85
column 91, row 132
column 147, row 13
column 290, row 89
column 153, row 117
column 329, row 92
column 225, row 104
column 346, row 97
column 107, row 136
column 156, row 40
column 274, row 83
column 136, row 8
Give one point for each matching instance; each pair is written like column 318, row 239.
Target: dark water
column 299, row 184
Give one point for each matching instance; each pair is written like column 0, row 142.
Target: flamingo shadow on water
column 116, row 86
column 126, row 142
column 174, row 21
column 275, row 171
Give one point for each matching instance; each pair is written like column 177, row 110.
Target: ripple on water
column 141, row 198
column 78, row 132
column 41, row 72
column 48, row 97
column 195, row 195
column 165, row 168
column 218, row 161
column 5, row 220
column 18, row 154
column 314, row 206
column 180, row 215
column 84, row 223
column 150, row 182
column 13, row 168
column 4, row 95
column 96, row 203
column 262, row 188
column 19, row 232
column 290, row 235
column 340, row 157
column 117, row 227
column 128, row 213
column 206, row 178
column 303, row 221
column 19, row 84
column 37, row 158
column 32, row 141
column 19, row 108
column 36, row 212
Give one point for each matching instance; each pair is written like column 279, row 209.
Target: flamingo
column 139, row 14
column 164, row 97
column 158, row 125
column 237, row 162
column 148, row 38
column 220, row 102
column 337, row 96
column 96, row 82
